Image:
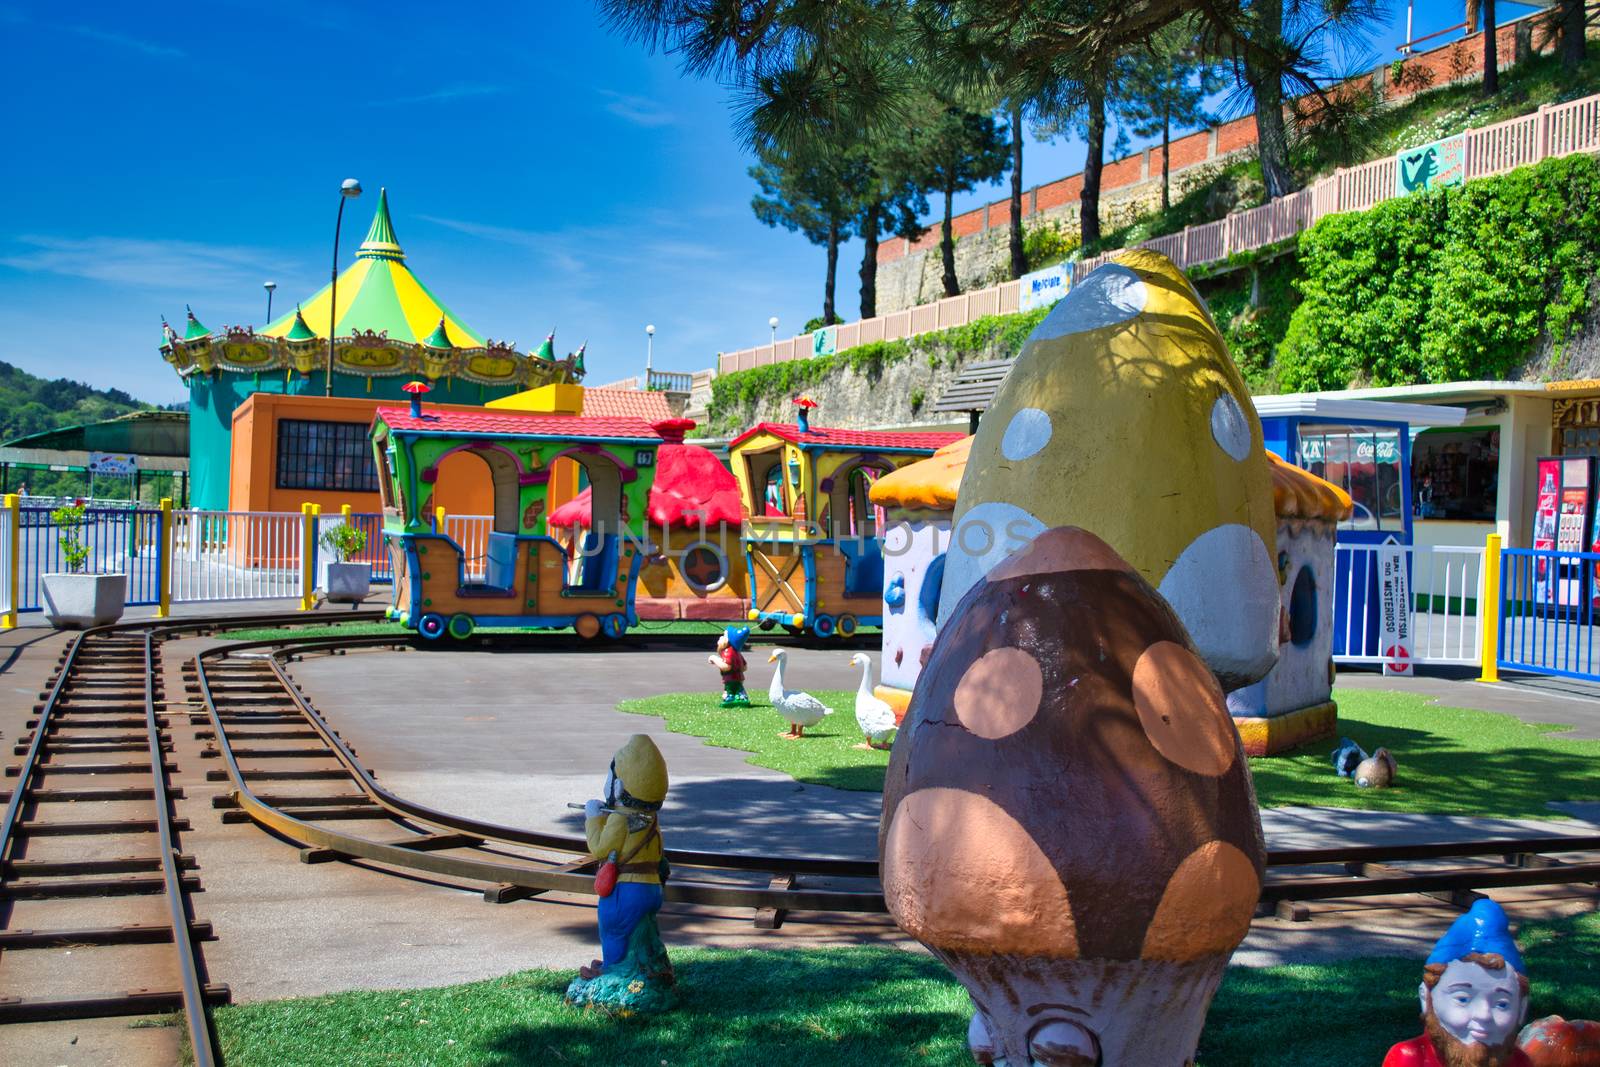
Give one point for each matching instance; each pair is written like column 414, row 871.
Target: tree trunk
column 1166, row 146
column 947, row 242
column 828, row 317
column 1261, row 70
column 1572, row 30
column 1019, row 257
column 1093, row 164
column 1491, row 50
column 869, row 260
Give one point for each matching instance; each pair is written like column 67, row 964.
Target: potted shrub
column 75, row 600
column 348, row 583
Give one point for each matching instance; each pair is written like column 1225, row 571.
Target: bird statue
column 1375, row 772
column 1347, row 757
column 874, row 716
column 800, row 709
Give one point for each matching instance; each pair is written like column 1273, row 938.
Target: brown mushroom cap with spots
column 1069, row 821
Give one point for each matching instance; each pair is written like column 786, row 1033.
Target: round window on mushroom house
column 1303, row 607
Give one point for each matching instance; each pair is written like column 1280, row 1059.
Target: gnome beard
column 1453, row 1052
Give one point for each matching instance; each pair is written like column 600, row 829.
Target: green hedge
column 1452, row 285
column 735, row 395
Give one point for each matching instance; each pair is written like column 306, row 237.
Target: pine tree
column 1165, row 83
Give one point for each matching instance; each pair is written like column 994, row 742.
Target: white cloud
column 639, row 110
column 181, row 265
column 149, row 48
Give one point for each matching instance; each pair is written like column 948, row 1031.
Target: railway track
column 291, row 773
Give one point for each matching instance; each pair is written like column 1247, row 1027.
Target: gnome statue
column 729, row 660
column 633, row 974
column 1474, row 996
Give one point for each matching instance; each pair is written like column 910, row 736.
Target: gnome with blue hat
column 729, row 659
column 1474, row 996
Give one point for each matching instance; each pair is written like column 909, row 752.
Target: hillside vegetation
column 30, row 404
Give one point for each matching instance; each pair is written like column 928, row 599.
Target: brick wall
column 1450, row 62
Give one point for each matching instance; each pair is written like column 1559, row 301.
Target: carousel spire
column 299, row 331
column 548, row 349
column 439, row 338
column 194, row 329
column 577, row 357
column 381, row 242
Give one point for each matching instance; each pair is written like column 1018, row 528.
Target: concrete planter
column 79, row 601
column 349, row 583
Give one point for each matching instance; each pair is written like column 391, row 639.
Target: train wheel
column 431, row 626
column 587, row 626
column 766, row 624
column 847, row 625
column 822, row 626
column 461, row 626
column 614, row 626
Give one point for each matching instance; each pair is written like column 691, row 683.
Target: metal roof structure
column 160, row 439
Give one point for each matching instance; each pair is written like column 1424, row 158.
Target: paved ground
column 514, row 737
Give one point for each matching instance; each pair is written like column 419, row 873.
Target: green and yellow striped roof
column 379, row 292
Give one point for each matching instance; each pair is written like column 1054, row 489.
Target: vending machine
column 1563, row 517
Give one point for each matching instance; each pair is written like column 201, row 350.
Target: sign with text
column 825, row 342
column 1042, row 288
column 112, row 463
column 1432, row 166
column 1394, row 610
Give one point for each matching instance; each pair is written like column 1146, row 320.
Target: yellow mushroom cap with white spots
column 1125, row 416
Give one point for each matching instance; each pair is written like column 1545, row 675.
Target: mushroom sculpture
column 1069, row 822
column 1123, row 415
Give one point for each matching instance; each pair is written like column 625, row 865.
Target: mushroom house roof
column 501, row 423
column 378, row 292
column 928, row 483
column 691, row 486
column 827, row 437
column 1299, row 494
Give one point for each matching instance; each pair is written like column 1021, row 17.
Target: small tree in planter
column 73, row 599
column 348, row 583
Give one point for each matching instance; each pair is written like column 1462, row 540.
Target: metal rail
column 1522, row 861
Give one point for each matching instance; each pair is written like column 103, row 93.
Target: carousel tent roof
column 690, row 481
column 379, row 292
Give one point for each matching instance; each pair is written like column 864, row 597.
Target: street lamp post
column 269, row 286
column 349, row 189
column 649, row 350
column 773, row 322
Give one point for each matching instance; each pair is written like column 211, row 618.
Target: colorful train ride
column 525, row 577
column 812, row 543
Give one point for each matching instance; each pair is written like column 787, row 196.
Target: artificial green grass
column 854, row 1006
column 309, row 630
column 674, row 627
column 826, row 755
column 1451, row 760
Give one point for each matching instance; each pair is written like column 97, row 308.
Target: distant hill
column 29, row 404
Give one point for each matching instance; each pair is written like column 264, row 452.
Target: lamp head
column 651, row 330
column 350, row 187
column 269, row 286
column 773, row 322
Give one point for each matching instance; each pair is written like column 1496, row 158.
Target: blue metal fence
column 376, row 553
column 1548, row 612
column 119, row 540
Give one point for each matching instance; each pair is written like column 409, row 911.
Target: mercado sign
column 1041, row 288
column 1432, row 166
column 825, row 342
column 112, row 463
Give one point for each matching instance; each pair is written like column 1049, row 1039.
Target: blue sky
column 541, row 173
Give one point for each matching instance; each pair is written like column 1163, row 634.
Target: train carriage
column 525, row 577
column 813, row 550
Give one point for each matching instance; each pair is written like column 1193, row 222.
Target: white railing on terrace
column 236, row 555
column 1554, row 130
column 6, row 562
column 1447, row 604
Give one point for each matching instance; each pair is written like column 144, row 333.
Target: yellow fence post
column 13, row 505
column 164, row 596
column 308, row 557
column 438, row 519
column 1489, row 611
column 344, row 513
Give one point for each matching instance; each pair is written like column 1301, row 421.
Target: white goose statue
column 874, row 716
column 800, row 709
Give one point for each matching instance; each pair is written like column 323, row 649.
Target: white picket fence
column 1446, row 604
column 471, row 532
column 237, row 555
column 7, row 564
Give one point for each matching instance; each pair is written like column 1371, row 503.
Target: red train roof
column 827, row 437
